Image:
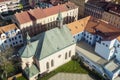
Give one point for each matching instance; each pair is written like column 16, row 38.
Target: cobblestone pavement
column 71, row 76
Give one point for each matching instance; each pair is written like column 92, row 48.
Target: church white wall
column 26, row 61
column 58, row 58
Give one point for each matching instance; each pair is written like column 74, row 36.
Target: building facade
column 95, row 8
column 81, row 4
column 9, row 5
column 112, row 16
column 10, row 36
column 35, row 23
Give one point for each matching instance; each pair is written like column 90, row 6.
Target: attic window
column 118, row 45
column 82, row 25
column 67, row 6
column 57, row 47
column 76, row 27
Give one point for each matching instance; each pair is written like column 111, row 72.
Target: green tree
column 5, row 63
column 20, row 6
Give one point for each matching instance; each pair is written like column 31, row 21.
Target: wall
column 117, row 52
column 92, row 65
column 89, row 38
column 102, row 49
column 81, row 4
column 78, row 36
column 93, row 10
column 58, row 57
column 3, row 8
column 27, row 61
column 12, row 38
column 111, row 18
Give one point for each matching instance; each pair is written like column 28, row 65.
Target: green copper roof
column 33, row 70
column 52, row 41
column 47, row 43
column 59, row 16
column 28, row 50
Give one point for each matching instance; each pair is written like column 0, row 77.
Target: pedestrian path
column 71, row 76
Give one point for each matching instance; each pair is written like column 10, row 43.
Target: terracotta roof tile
column 118, row 38
column 78, row 26
column 23, row 17
column 8, row 27
column 54, row 10
column 38, row 13
column 95, row 26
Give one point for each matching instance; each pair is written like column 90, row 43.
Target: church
column 47, row 51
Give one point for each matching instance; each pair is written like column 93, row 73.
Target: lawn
column 21, row 78
column 70, row 67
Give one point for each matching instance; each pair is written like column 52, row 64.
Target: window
column 15, row 37
column 20, row 41
column 90, row 38
column 10, row 40
column 87, row 36
column 13, row 43
column 16, row 42
column 66, row 55
column 19, row 36
column 103, row 43
column 87, row 61
column 78, row 34
column 52, row 63
column 84, row 34
column 93, row 66
column 47, row 65
column 59, row 56
column 5, row 41
column 106, row 45
column 76, row 27
column 118, row 45
column 69, row 53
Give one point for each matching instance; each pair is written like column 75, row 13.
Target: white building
column 9, row 5
column 112, row 70
column 10, row 36
column 3, row 8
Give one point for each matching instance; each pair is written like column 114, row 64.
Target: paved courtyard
column 71, row 76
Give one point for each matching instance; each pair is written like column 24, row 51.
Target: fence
column 17, row 75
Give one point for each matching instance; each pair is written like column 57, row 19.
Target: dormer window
column 76, row 27
column 3, row 36
column 118, row 45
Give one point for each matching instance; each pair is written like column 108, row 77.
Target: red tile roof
column 8, row 28
column 38, row 13
column 78, row 26
column 95, row 26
